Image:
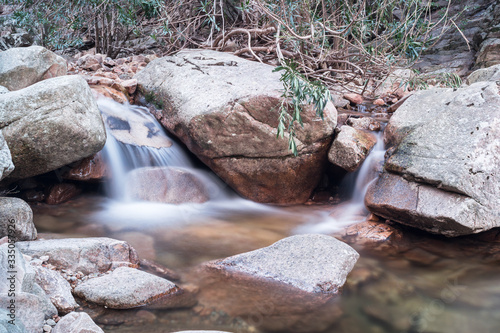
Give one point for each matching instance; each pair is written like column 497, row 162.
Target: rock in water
column 76, row 322
column 50, row 124
column 126, row 288
column 225, row 109
column 290, row 286
column 167, row 185
column 443, row 175
column 350, row 148
column 6, row 165
column 24, row 66
column 16, row 220
column 88, row 255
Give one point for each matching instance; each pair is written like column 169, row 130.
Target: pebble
column 47, row 328
column 51, row 322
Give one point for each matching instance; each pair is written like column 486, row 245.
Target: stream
column 415, row 282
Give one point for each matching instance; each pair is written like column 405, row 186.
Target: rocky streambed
column 177, row 249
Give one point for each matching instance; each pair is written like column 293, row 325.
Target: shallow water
column 415, row 283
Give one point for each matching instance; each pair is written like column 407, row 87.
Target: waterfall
column 354, row 210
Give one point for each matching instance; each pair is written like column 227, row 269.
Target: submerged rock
column 443, row 173
column 50, row 124
column 6, row 165
column 225, row 109
column 350, row 148
column 126, row 288
column 24, row 66
column 16, row 220
column 291, row 285
column 76, row 322
column 167, row 185
column 87, row 255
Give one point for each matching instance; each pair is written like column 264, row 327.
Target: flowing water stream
column 414, row 283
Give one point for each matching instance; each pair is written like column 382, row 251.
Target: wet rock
column 365, row 123
column 126, row 288
column 50, row 124
column 56, row 288
column 350, row 148
column 88, row 255
column 354, row 98
column 22, row 67
column 489, row 54
column 443, row 173
column 303, row 273
column 167, row 185
column 76, row 322
column 143, row 244
column 136, row 129
column 6, row 165
column 219, row 106
column 485, row 74
column 63, row 192
column 16, row 219
column 92, row 168
column 109, row 92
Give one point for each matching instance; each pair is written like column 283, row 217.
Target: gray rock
column 51, row 124
column 30, row 311
column 225, row 109
column 22, row 67
column 303, row 274
column 76, row 322
column 312, row 263
column 166, row 184
column 20, row 214
column 24, row 278
column 444, row 168
column 126, row 288
column 485, row 74
column 6, row 165
column 350, row 148
column 56, row 288
column 489, row 53
column 88, row 255
column 13, row 327
column 364, row 123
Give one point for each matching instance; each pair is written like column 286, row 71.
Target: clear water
column 414, row 282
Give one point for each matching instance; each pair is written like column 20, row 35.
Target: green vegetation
column 318, row 44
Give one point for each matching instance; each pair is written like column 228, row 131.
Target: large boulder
column 225, row 109
column 24, row 66
column 6, row 165
column 289, row 286
column 16, row 220
column 443, row 172
column 50, row 124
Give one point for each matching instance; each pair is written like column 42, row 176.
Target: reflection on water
column 416, row 283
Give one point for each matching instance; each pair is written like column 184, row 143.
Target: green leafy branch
column 298, row 91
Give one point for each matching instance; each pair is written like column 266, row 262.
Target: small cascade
column 136, row 140
column 354, row 210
